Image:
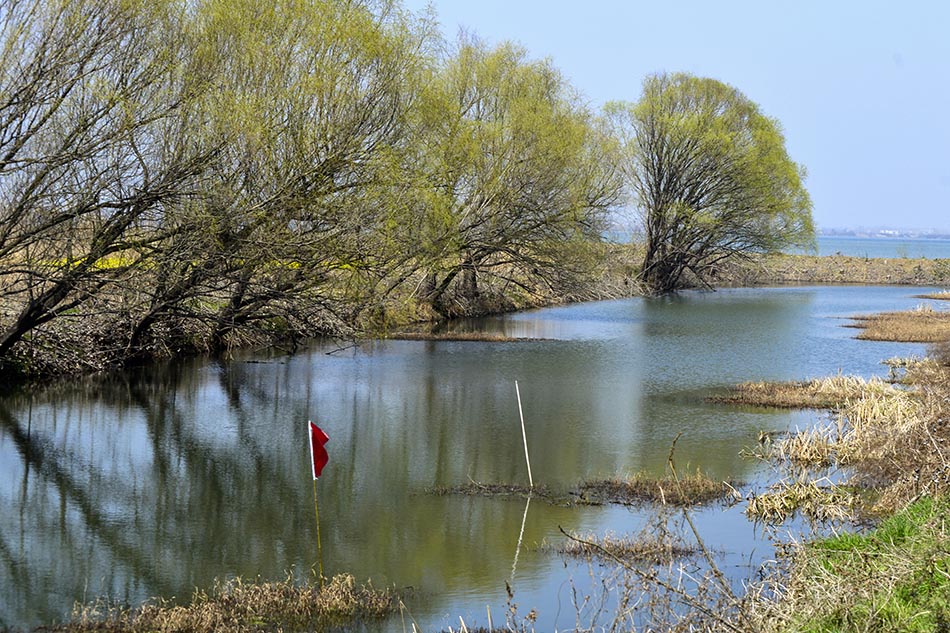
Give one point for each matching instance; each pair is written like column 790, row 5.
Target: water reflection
column 155, row 481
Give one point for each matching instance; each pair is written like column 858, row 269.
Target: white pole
column 524, row 436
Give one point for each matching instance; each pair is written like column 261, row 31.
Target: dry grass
column 814, row 447
column 690, row 489
column 941, row 295
column 893, row 441
column 922, row 325
column 646, row 548
column 820, row 393
column 809, row 498
column 241, row 606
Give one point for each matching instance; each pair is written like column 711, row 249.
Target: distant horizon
column 884, row 232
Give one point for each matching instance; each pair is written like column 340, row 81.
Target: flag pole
column 524, row 436
column 318, row 459
column 316, row 512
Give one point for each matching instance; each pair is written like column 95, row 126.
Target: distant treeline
column 184, row 176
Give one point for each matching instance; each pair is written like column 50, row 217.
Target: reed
column 242, row 606
column 813, row 447
column 811, row 499
column 921, row 325
column 820, row 393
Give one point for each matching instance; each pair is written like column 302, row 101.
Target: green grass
column 894, row 578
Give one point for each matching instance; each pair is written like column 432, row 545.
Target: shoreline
column 618, row 279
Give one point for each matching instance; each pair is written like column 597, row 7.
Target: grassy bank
column 893, row 578
column 893, row 442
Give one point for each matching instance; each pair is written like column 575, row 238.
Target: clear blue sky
column 862, row 89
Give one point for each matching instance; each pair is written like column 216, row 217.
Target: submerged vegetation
column 687, row 490
column 484, row 337
column 691, row 489
column 645, row 547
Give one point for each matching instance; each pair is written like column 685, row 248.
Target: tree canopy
column 516, row 172
column 710, row 176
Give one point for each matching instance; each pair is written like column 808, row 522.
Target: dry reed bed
column 893, row 440
column 812, row 499
column 820, row 393
column 242, row 606
column 922, row 325
column 895, row 443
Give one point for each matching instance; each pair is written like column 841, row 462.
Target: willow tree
column 711, row 177
column 310, row 105
column 93, row 149
column 516, row 177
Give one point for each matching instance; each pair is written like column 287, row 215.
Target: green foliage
column 711, row 177
column 511, row 168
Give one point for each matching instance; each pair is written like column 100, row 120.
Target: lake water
column 881, row 247
column 160, row 480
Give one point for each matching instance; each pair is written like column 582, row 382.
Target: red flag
column 318, row 454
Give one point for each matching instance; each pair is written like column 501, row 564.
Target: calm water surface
column 158, row 481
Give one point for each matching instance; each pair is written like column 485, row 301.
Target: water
column 884, row 247
column 154, row 482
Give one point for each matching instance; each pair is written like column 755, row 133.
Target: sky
column 861, row 89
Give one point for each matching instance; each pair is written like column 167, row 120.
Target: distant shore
column 836, row 269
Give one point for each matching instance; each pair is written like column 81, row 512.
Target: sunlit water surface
column 157, row 481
